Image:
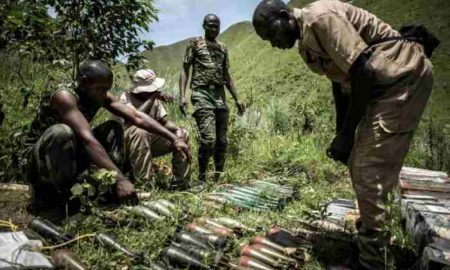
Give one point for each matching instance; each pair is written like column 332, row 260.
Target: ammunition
column 111, row 243
column 231, row 223
column 47, row 229
column 271, row 252
column 242, row 201
column 216, row 227
column 266, row 242
column 191, row 239
column 144, row 212
column 255, row 254
column 66, row 259
column 180, row 258
column 218, row 242
column 159, row 208
column 256, row 194
column 193, row 250
column 253, row 264
column 157, row 266
column 198, row 229
column 168, row 204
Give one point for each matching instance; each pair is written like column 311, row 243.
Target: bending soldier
column 389, row 81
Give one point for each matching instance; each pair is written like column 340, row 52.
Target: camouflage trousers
column 211, row 115
column 59, row 157
column 142, row 146
column 375, row 163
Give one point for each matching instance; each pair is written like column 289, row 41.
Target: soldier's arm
column 184, row 77
column 341, row 105
column 66, row 105
column 143, row 121
column 230, row 85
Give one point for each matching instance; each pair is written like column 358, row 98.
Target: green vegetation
column 283, row 135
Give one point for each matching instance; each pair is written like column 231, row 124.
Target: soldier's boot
column 219, row 162
column 374, row 250
column 203, row 159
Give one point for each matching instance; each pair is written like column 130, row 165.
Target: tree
column 80, row 29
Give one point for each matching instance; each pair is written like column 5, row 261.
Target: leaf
column 77, row 190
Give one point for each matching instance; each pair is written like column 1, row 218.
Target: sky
column 182, row 19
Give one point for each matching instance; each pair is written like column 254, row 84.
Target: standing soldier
column 210, row 72
column 389, row 80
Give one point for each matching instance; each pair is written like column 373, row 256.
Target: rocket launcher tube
column 253, row 253
column 180, row 258
column 250, row 263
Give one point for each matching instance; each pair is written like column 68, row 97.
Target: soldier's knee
column 222, row 142
column 208, row 143
column 60, row 133
column 113, row 126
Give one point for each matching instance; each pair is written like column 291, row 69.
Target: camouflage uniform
column 141, row 146
column 333, row 35
column 209, row 62
column 55, row 156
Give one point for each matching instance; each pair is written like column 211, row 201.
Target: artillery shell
column 266, row 242
column 159, row 208
column 180, row 258
column 111, row 243
column 196, row 251
column 253, row 264
column 66, row 259
column 255, row 254
column 47, row 229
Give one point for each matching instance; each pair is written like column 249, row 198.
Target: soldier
column 387, row 79
column 61, row 143
column 141, row 145
column 210, row 73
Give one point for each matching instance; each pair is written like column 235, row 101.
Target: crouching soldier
column 61, row 143
column 142, row 145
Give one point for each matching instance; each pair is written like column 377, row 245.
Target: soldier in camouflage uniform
column 210, row 73
column 61, row 143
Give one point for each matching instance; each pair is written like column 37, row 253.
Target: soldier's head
column 211, row 24
column 95, row 78
column 274, row 22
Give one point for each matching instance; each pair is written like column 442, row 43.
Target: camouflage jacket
column 209, row 61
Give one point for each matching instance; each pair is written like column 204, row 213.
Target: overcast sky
column 181, row 19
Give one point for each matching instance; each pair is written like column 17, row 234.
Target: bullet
column 253, row 264
column 144, row 212
column 192, row 239
column 266, row 242
column 255, row 254
column 66, row 259
column 271, row 252
column 49, row 230
column 110, row 242
column 180, row 258
column 159, row 208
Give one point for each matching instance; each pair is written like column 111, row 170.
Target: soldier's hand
column 166, row 97
column 182, row 134
column 181, row 147
column 126, row 192
column 341, row 147
column 183, row 106
column 241, row 107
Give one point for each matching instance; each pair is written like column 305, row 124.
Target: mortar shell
column 180, row 258
column 216, row 241
column 192, row 227
column 110, row 242
column 215, row 227
column 145, row 212
column 192, row 239
column 271, row 252
column 159, row 208
column 255, row 254
column 232, row 223
column 66, row 259
column 266, row 242
column 47, row 229
column 193, row 250
column 250, row 263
